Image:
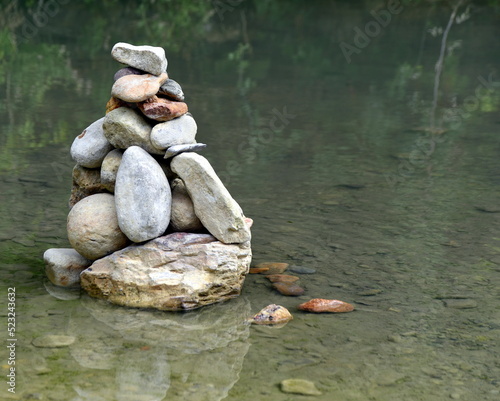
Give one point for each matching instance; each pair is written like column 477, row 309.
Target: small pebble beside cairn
column 151, row 224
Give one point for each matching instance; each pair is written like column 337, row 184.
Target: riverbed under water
column 360, row 165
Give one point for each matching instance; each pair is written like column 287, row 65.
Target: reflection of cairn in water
column 150, row 355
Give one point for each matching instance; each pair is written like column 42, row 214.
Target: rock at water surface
column 159, row 109
column 137, row 88
column 183, row 217
column 124, row 127
column 91, row 146
column 320, row 305
column 146, row 58
column 172, row 90
column 64, row 265
column 219, row 213
column 179, row 131
column 93, row 229
column 177, row 149
column 272, row 315
column 179, row 271
column 142, row 196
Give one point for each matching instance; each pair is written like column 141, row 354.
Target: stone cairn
column 151, row 224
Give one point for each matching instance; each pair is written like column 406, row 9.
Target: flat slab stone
column 142, row 196
column 179, row 271
column 177, row 149
column 146, row 58
column 219, row 213
column 159, row 109
column 64, row 265
column 91, row 146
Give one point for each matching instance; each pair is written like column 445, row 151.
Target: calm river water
column 332, row 127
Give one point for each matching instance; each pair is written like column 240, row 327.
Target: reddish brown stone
column 281, row 278
column 289, row 289
column 273, row 267
column 161, row 109
column 325, row 305
column 114, row 103
column 258, row 270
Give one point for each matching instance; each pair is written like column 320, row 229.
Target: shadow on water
column 352, row 152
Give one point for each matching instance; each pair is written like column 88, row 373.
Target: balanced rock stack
column 151, row 224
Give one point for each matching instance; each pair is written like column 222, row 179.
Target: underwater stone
column 271, row 315
column 53, row 341
column 299, row 386
column 319, row 305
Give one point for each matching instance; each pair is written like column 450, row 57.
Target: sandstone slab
column 124, row 127
column 137, row 88
column 146, row 58
column 319, row 305
column 179, row 271
column 219, row 213
column 142, row 196
column 91, row 146
column 64, row 265
column 179, row 131
column 93, row 229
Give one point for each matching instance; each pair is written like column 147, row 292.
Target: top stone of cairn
column 146, row 58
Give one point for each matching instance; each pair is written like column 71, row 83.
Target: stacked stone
column 151, row 224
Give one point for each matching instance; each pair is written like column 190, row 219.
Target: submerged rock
column 142, row 196
column 64, row 265
column 273, row 267
column 219, row 213
column 53, row 341
column 271, row 315
column 289, row 289
column 146, row 58
column 299, row 386
column 178, row 271
column 93, row 229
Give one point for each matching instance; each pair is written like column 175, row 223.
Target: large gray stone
column 183, row 217
column 93, row 229
column 146, row 58
column 64, row 265
column 178, row 271
column 91, row 146
column 179, row 131
column 109, row 169
column 219, row 213
column 142, row 196
column 124, row 127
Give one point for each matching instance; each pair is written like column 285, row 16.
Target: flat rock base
column 179, row 271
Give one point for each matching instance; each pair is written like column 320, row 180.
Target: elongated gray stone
column 91, row 146
column 124, row 127
column 176, row 149
column 146, row 58
column 142, row 196
column 174, row 272
column 179, row 131
column 64, row 265
column 219, row 213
